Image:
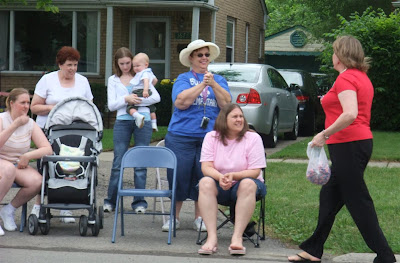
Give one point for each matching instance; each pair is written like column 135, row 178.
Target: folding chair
column 150, row 157
column 23, row 212
column 160, row 182
column 231, row 218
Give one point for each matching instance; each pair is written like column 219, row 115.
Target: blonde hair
column 13, row 96
column 142, row 56
column 349, row 51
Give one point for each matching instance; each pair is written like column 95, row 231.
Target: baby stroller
column 74, row 128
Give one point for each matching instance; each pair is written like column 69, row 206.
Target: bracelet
column 326, row 137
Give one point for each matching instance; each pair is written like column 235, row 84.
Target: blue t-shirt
column 187, row 122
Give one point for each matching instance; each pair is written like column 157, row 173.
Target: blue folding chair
column 149, row 157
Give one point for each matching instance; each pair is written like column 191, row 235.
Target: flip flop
column 302, row 259
column 207, row 251
column 237, row 251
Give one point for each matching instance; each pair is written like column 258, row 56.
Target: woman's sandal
column 237, row 251
column 207, row 251
column 302, row 259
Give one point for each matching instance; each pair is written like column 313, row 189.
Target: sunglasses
column 200, row 55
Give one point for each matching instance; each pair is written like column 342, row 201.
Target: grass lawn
column 386, row 148
column 292, row 208
column 292, row 201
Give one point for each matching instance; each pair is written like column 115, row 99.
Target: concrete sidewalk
column 143, row 240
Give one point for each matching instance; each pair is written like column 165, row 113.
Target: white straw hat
column 197, row 44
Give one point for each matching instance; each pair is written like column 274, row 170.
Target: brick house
column 30, row 39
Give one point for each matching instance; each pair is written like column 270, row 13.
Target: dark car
column 265, row 98
column 306, row 90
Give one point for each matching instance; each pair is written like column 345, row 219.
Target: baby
column 141, row 86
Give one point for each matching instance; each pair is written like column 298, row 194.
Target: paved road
column 143, row 240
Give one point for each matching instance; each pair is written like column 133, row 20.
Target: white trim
column 74, row 29
column 233, row 22
column 195, row 23
column 213, row 25
column 12, row 41
column 109, row 44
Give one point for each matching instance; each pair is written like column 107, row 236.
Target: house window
column 230, row 40
column 39, row 35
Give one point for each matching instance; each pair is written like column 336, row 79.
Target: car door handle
column 278, row 94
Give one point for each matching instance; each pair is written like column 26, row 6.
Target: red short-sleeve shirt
column 351, row 79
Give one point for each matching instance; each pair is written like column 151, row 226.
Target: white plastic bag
column 318, row 171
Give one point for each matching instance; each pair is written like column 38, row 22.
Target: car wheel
column 295, row 131
column 271, row 139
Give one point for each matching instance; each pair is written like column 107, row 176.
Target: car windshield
column 292, row 77
column 236, row 74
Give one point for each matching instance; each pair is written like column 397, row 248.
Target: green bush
column 380, row 36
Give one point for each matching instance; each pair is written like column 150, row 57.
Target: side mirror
column 293, row 86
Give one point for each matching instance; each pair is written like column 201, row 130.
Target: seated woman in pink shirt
column 232, row 157
column 16, row 132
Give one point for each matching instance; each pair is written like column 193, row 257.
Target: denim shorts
column 226, row 197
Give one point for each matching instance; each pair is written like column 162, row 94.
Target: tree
column 379, row 34
column 46, row 5
column 318, row 16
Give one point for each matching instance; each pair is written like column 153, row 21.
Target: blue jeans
column 123, row 130
column 188, row 173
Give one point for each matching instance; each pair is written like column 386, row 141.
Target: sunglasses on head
column 200, row 55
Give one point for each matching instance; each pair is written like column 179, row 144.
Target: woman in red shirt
column 347, row 133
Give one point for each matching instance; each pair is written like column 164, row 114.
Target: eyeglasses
column 200, row 55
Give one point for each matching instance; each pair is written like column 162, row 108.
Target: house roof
column 293, row 41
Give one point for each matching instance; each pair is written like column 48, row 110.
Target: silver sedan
column 268, row 103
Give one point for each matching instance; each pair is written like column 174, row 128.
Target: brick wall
column 249, row 11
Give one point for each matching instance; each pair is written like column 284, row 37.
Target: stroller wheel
column 33, row 224
column 101, row 216
column 83, row 224
column 45, row 227
column 96, row 226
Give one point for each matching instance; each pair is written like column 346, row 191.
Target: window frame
column 232, row 21
column 74, row 29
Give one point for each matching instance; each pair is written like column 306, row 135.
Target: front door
column 151, row 35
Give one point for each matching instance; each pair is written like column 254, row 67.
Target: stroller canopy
column 75, row 109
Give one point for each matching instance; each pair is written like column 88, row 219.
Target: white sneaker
column 139, row 120
column 107, row 208
column 154, row 126
column 8, row 219
column 66, row 219
column 140, row 210
column 196, row 225
column 165, row 227
column 1, row 231
column 35, row 210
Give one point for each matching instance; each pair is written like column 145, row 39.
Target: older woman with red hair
column 53, row 88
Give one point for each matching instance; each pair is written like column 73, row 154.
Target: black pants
column 347, row 187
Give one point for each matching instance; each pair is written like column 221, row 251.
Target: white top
column 116, row 93
column 49, row 88
column 19, row 142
